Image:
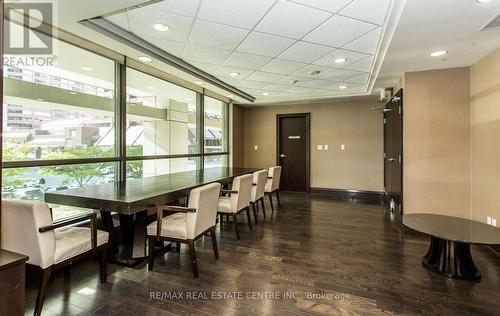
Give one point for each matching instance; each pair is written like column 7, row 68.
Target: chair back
column 204, row 199
column 242, row 184
column 20, row 223
column 274, row 183
column 259, row 181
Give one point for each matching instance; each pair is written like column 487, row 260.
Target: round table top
column 453, row 228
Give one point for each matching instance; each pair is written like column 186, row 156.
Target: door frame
column 307, row 116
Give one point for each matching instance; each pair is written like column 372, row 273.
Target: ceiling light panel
column 216, row 35
column 247, row 61
column 373, row 11
column 305, row 52
column 304, row 20
column 338, row 31
column 243, row 13
column 264, row 44
column 332, row 6
column 350, row 56
column 280, row 66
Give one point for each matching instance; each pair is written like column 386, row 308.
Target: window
column 216, row 161
column 61, row 111
column 137, row 169
column 215, row 121
column 161, row 117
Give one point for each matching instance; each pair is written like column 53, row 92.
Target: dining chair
column 28, row 228
column 187, row 224
column 273, row 185
column 236, row 201
column 257, row 195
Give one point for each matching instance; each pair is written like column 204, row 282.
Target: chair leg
column 103, row 263
column 278, row 197
column 151, row 255
column 249, row 218
column 192, row 254
column 178, row 247
column 214, row 242
column 263, row 207
column 254, row 212
column 236, row 228
column 42, row 290
column 271, row 201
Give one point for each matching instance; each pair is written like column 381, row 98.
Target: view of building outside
column 67, row 111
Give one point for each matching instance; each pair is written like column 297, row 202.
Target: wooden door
column 393, row 148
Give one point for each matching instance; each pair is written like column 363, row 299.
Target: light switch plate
column 326, row 147
column 342, row 147
column 255, row 147
column 488, row 220
column 320, row 147
column 493, row 221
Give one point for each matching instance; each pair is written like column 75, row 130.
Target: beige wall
column 345, row 122
column 485, row 137
column 437, row 142
column 236, row 150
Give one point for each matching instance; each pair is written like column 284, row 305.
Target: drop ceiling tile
column 248, row 84
column 216, row 35
column 373, row 11
column 243, row 13
column 120, row 19
column 225, row 72
column 264, row 44
column 209, row 55
column 305, row 52
column 265, row 76
column 361, row 79
column 173, row 47
column 306, row 71
column 291, row 20
column 352, row 57
column 332, row 6
column 338, row 31
column 367, row 43
column 184, row 7
column 277, row 87
column 318, row 83
column 247, row 61
column 363, row 65
column 280, row 66
column 300, row 90
column 141, row 24
column 290, row 79
column 210, row 68
column 343, row 75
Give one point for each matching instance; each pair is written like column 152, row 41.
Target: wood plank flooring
column 362, row 262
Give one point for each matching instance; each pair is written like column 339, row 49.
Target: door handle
column 391, row 159
column 282, row 156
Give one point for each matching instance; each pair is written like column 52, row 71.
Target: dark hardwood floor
column 313, row 244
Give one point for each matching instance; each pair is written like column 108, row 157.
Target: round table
column 451, row 237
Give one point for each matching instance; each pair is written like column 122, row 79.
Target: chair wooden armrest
column 176, row 209
column 74, row 220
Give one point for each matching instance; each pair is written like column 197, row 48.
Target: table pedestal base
column 451, row 259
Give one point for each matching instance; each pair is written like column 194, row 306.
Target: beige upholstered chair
column 257, row 195
column 273, row 184
column 237, row 200
column 27, row 228
column 188, row 223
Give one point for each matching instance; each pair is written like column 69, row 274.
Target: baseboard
column 351, row 194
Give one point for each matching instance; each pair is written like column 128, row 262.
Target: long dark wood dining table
column 131, row 199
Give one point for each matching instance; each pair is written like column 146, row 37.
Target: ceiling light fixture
column 340, row 60
column 234, row 74
column 161, row 27
column 342, row 87
column 439, row 53
column 87, row 68
column 265, row 93
column 146, row 59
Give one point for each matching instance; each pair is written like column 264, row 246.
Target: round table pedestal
column 451, row 259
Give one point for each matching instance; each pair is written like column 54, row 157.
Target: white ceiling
column 274, row 45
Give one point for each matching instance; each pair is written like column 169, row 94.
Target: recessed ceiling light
column 265, row 93
column 234, row 74
column 439, row 53
column 146, row 59
column 150, row 88
column 315, row 72
column 199, row 82
column 342, row 87
column 87, row 68
column 340, row 60
column 161, row 27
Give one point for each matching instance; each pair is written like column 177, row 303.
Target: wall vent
column 495, row 23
